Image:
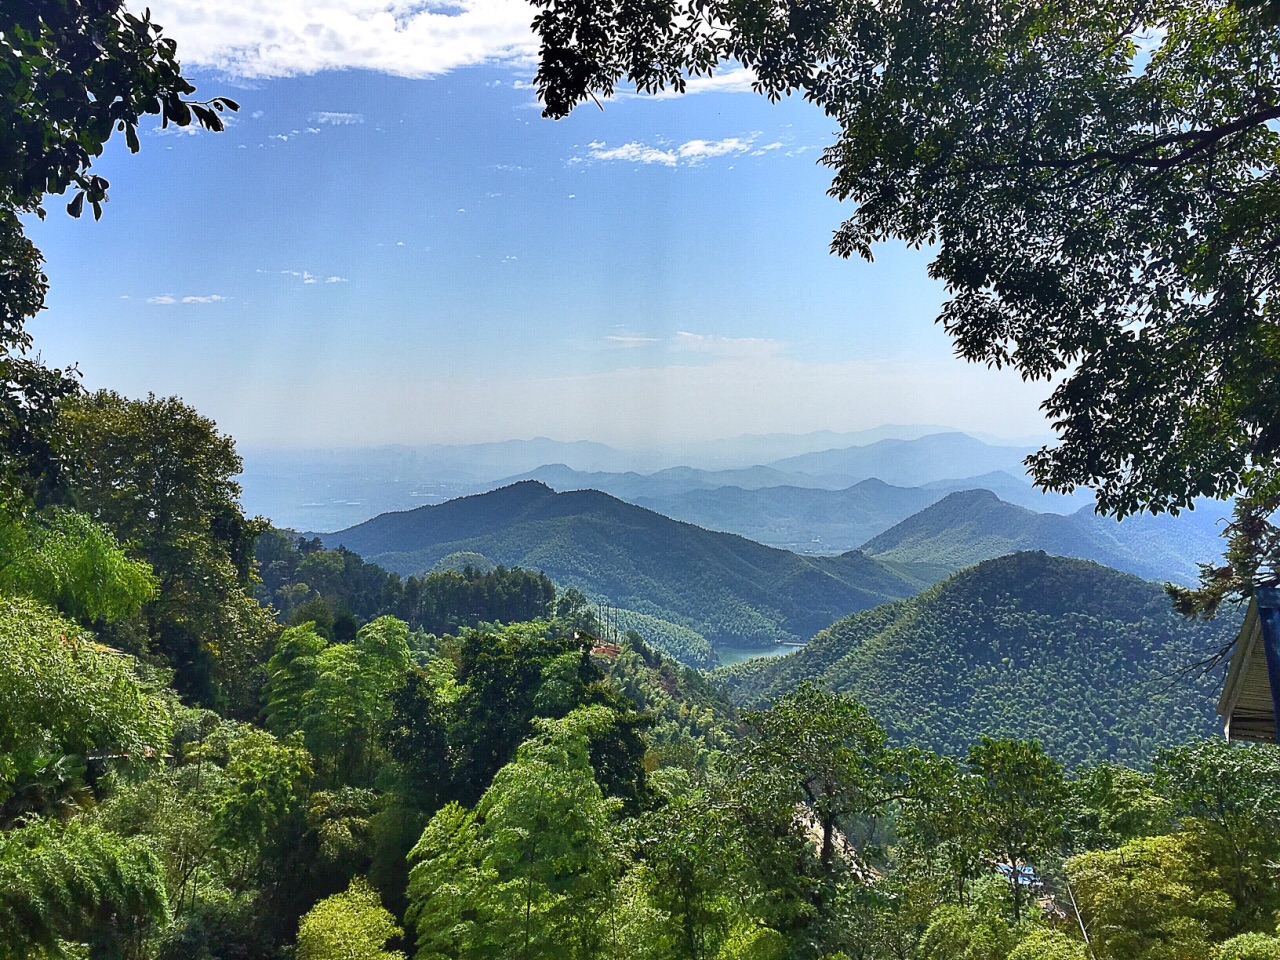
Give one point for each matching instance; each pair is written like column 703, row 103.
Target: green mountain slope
column 967, row 527
column 729, row 589
column 1084, row 658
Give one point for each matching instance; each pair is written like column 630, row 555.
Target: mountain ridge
column 732, row 590
column 967, row 527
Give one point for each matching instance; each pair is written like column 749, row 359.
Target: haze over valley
column 732, row 557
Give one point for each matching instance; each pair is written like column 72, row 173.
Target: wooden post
column 1268, row 599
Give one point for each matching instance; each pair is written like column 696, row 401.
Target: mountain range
column 330, row 489
column 729, row 589
column 1090, row 661
column 733, row 591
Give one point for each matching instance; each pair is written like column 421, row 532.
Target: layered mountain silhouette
column 966, row 527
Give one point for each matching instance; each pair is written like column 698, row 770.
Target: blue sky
column 389, row 244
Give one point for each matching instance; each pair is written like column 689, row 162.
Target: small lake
column 731, row 655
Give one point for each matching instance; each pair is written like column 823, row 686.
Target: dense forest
column 1091, row 662
column 460, row 765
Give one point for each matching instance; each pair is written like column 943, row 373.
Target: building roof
column 1246, row 705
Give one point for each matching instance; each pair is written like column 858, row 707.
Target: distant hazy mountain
column 751, row 449
column 966, row 527
column 729, row 589
column 672, row 482
column 828, row 521
column 331, row 489
column 909, row 463
column 1081, row 657
column 794, row 518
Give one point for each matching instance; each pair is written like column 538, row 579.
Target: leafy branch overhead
column 72, row 73
column 1097, row 184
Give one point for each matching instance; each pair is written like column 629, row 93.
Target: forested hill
column 969, row 526
column 1081, row 657
column 729, row 589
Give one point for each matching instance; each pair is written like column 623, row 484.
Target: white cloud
column 335, row 119
column 697, row 150
column 727, row 347
column 730, row 80
column 689, row 153
column 165, row 299
column 411, row 38
column 634, row 153
column 629, row 341
column 306, row 276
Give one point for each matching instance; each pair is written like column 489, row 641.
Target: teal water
column 731, row 655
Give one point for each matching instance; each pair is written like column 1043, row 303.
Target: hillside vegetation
column 353, row 786
column 729, row 589
column 1087, row 660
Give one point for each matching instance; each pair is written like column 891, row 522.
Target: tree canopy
column 72, row 74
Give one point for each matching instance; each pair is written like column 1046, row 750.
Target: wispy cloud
column 166, row 299
column 689, row 153
column 306, row 276
column 726, row 347
column 625, row 340
column 335, row 119
column 696, row 151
